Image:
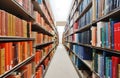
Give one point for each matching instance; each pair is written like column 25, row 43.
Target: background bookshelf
column 91, row 35
column 28, row 32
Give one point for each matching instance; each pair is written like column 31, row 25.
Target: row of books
column 83, row 37
column 83, row 5
column 40, row 71
column 41, row 38
column 45, row 11
column 84, row 53
column 103, row 7
column 42, row 68
column 106, row 34
column 27, row 5
column 41, row 53
column 11, row 25
column 106, row 65
column 77, row 62
column 85, row 19
column 41, row 21
column 24, row 72
column 13, row 53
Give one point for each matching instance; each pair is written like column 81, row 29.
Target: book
column 99, row 26
column 112, row 22
column 118, row 70
column 115, row 62
column 93, row 36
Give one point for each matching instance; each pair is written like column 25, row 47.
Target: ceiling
column 60, row 9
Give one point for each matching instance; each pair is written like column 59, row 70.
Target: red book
column 10, row 54
column 75, row 26
column 116, row 36
column 115, row 62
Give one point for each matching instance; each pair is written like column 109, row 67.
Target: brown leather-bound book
column 3, row 22
column 2, row 60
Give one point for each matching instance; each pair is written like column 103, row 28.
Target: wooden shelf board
column 40, row 29
column 14, row 39
column 16, row 9
column 7, row 73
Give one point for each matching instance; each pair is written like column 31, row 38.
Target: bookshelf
column 30, row 40
column 47, row 28
column 16, row 9
column 81, row 34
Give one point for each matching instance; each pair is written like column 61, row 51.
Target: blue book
column 110, row 68
column 39, row 1
column 101, row 66
column 85, row 53
column 112, row 22
column 106, row 39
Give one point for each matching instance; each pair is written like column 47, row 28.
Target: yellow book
column 118, row 70
column 2, row 57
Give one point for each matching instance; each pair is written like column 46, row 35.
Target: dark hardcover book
column 85, row 53
column 112, row 22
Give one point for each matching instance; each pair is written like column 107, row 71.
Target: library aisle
column 61, row 65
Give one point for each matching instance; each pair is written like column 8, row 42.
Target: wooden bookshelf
column 15, row 9
column 44, row 57
column 44, row 44
column 20, row 11
column 7, row 73
column 40, row 29
column 14, row 39
column 38, row 8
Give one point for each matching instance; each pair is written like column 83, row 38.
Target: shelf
column 46, row 68
column 98, row 48
column 17, row 67
column 77, row 70
column 44, row 1
column 43, row 44
column 40, row 29
column 76, row 8
column 38, row 8
column 80, row 30
column 113, row 14
column 44, row 57
column 16, row 9
column 83, row 12
column 14, row 39
column 88, row 63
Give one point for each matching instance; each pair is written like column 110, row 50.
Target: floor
column 61, row 65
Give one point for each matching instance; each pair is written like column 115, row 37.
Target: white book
column 99, row 26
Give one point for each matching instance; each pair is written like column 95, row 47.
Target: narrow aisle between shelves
column 61, row 65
